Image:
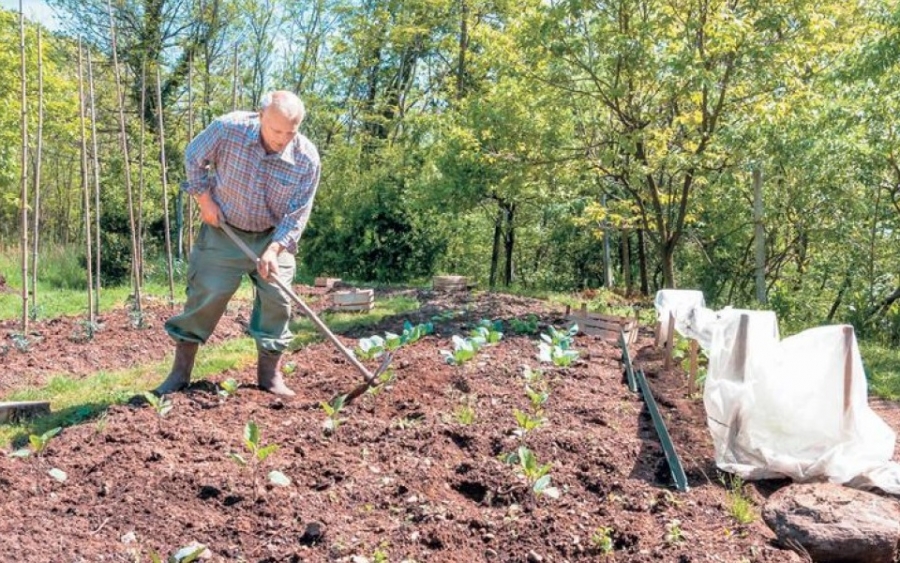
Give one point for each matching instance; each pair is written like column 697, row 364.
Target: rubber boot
column 180, row 376
column 269, row 376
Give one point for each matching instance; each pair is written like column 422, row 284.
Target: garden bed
column 419, row 471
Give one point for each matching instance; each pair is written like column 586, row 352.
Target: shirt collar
column 255, row 138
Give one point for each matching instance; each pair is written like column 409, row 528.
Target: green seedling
column 369, row 348
column 674, row 533
column 532, row 377
column 37, row 444
column 383, row 380
column 602, row 539
column 258, row 454
column 536, row 475
column 464, row 414
column 557, row 355
column 187, row 554
column 560, row 338
column 526, row 422
column 21, row 342
column 740, row 506
column 392, row 341
column 228, row 388
column 528, row 325
column 537, row 398
column 414, row 333
column 464, row 349
column 491, row 332
column 333, row 410
column 162, row 405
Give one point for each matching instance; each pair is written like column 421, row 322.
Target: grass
column 76, row 400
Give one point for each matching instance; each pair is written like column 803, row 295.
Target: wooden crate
column 327, row 283
column 22, row 410
column 449, row 283
column 353, row 300
column 606, row 326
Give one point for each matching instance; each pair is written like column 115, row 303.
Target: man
column 264, row 182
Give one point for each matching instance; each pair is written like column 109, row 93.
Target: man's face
column 276, row 130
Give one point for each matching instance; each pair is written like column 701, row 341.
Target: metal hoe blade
column 370, row 379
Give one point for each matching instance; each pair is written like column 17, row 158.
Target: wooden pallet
column 609, row 327
column 450, row 283
column 22, row 410
column 353, row 300
column 327, row 283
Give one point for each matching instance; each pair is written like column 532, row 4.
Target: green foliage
column 38, row 444
column 258, row 453
column 739, row 505
column 162, row 405
column 464, row 349
column 536, row 475
column 602, row 539
column 333, row 411
column 491, row 332
column 228, row 388
column 526, row 422
column 526, row 325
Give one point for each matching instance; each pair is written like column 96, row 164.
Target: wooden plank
column 449, row 283
column 670, row 341
column 327, row 282
column 21, row 410
column 353, row 300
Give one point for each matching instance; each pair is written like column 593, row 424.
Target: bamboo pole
column 141, row 176
column 165, row 186
column 85, row 188
column 23, row 201
column 123, row 138
column 36, row 210
column 96, row 169
column 190, row 132
column 234, row 79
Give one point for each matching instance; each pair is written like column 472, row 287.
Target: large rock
column 835, row 523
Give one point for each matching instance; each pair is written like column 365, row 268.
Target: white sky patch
column 35, row 10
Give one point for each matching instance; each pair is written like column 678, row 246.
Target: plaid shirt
column 256, row 191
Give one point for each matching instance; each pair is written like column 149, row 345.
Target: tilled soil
column 404, row 477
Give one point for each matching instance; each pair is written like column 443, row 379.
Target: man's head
column 280, row 115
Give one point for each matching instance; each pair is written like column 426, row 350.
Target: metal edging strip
column 664, row 438
column 626, row 359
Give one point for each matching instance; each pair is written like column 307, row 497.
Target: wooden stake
column 86, row 191
column 670, row 340
column 165, row 186
column 739, row 356
column 848, row 367
column 23, row 201
column 692, row 375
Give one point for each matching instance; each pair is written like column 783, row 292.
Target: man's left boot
column 268, row 375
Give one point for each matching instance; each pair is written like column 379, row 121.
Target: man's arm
column 200, row 156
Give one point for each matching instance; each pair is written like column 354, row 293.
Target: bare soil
column 401, row 479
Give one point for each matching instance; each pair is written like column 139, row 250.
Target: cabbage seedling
column 333, row 410
column 536, row 475
column 526, row 422
column 228, row 388
column 557, row 355
column 370, row 348
column 258, row 454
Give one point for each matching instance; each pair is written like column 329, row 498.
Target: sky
column 34, row 10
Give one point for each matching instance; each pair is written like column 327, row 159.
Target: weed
column 464, row 414
column 740, row 506
column 674, row 533
column 602, row 539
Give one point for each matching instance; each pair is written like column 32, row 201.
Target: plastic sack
column 794, row 408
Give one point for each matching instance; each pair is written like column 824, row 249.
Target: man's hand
column 210, row 213
column 268, row 262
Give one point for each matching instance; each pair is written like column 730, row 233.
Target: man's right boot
column 180, row 376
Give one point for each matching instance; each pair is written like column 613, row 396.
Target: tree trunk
column 642, row 263
column 626, row 260
column 495, row 249
column 509, row 244
column 141, row 177
column 463, row 48
column 759, row 234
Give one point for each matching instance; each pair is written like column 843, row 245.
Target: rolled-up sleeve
column 292, row 225
column 199, row 156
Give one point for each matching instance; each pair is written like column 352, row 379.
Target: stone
column 833, row 523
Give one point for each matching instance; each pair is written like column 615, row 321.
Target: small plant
column 258, row 454
column 528, row 325
column 414, row 333
column 560, row 338
column 526, row 422
column 392, row 341
column 491, row 332
column 537, row 398
column 38, row 444
column 536, row 475
column 464, row 414
column 602, row 539
column 740, row 507
column 21, row 342
column 674, row 533
column 228, row 388
column 369, row 348
column 333, row 410
column 532, row 376
column 187, row 554
column 557, row 355
column 384, row 379
column 464, row 349
column 162, row 405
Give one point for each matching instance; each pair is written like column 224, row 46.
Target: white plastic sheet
column 794, row 408
column 680, row 302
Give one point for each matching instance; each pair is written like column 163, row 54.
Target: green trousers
column 216, row 267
